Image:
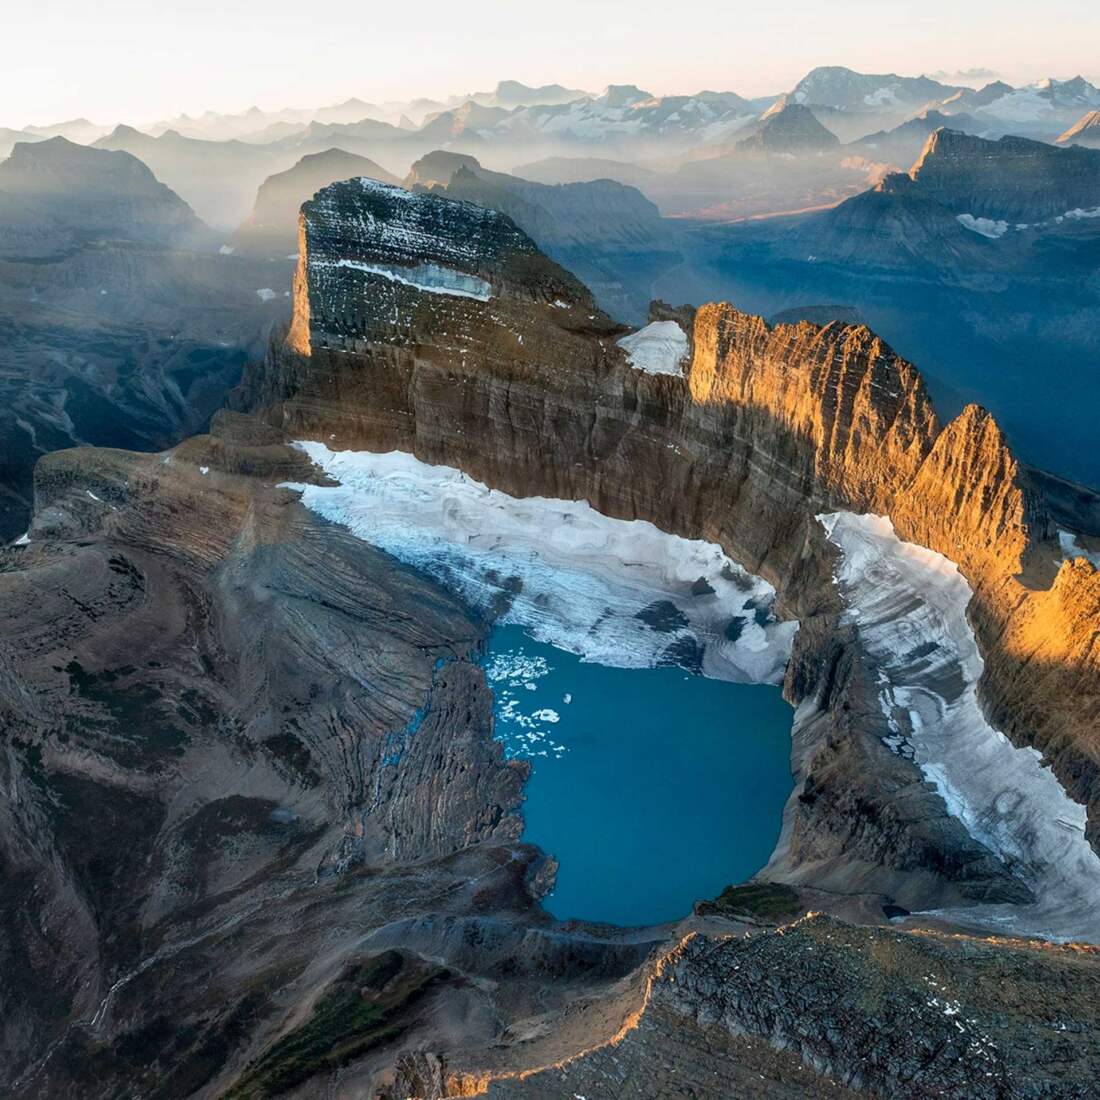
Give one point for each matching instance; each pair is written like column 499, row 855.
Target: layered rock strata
column 524, row 387
column 236, row 739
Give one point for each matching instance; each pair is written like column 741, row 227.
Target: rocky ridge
column 120, row 325
column 55, row 195
column 791, row 131
column 1014, row 179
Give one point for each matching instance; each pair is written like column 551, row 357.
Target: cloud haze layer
column 131, row 60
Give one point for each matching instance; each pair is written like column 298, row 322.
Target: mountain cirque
column 311, row 877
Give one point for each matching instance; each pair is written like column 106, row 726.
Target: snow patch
column 987, row 227
column 424, row 276
column 1071, row 549
column 1076, row 215
column 659, row 348
column 615, row 592
column 909, row 607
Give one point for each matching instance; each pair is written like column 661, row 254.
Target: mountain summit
column 1086, row 131
column 793, row 129
column 55, row 192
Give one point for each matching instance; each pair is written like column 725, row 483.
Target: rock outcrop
column 1014, row 179
column 755, row 1011
column 608, row 234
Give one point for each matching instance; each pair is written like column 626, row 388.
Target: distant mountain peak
column 793, row 129
column 1085, row 131
column 847, row 90
column 623, row 95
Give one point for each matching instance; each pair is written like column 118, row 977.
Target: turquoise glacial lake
column 653, row 788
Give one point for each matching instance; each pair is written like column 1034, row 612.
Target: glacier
column 429, row 277
column 614, row 592
column 908, row 605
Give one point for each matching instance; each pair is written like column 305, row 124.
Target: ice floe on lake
column 524, row 733
column 909, row 604
column 615, row 592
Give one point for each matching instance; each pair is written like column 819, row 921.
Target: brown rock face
column 219, row 715
column 526, row 389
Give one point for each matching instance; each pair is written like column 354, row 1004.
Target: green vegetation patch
column 370, row 1003
column 763, row 901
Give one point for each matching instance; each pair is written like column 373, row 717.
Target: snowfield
column 616, row 592
column 659, row 348
column 909, row 607
column 431, row 278
column 987, row 227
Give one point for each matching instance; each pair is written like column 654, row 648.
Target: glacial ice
column 659, row 348
column 615, row 592
column 909, row 607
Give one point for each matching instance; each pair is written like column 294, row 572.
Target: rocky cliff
column 607, row 233
column 1013, row 179
column 520, row 382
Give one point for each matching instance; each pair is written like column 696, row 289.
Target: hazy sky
column 140, row 60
